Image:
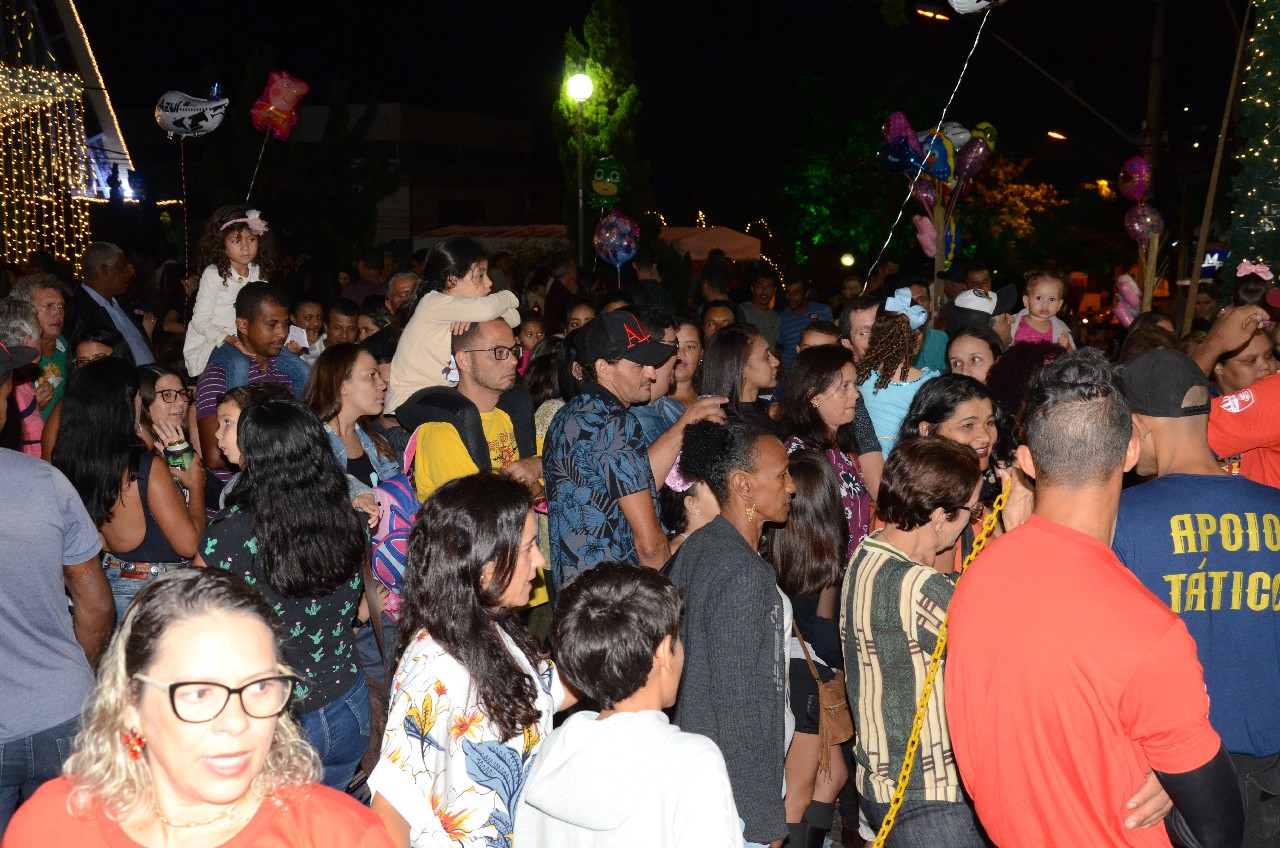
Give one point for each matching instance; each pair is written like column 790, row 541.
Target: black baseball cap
column 13, row 358
column 618, row 335
column 1165, row 383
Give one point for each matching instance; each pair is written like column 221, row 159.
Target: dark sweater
column 735, row 663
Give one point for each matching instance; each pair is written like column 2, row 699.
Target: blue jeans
column 339, row 731
column 367, row 648
column 124, row 589
column 928, row 824
column 27, row 763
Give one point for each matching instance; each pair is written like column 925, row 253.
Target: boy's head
column 617, row 631
column 1045, row 293
column 819, row 333
column 307, row 313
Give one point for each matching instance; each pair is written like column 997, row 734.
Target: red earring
column 134, row 741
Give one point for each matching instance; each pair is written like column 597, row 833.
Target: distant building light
column 1056, row 136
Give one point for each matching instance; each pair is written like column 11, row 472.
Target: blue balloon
column 895, row 157
column 616, row 238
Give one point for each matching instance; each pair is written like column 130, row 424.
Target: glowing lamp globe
column 580, row 87
column 847, row 260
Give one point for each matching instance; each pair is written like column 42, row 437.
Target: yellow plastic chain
column 935, row 663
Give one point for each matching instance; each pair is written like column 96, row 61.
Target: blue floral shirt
column 593, row 456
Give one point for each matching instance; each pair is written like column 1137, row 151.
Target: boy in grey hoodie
column 625, row 775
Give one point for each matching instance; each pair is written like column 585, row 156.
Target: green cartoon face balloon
column 606, row 182
column 987, row 132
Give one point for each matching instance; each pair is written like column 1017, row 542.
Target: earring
column 751, row 513
column 697, row 513
column 134, row 741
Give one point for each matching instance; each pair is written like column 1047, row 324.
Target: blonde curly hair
column 894, row 346
column 100, row 770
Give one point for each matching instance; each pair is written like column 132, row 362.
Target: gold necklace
column 155, row 810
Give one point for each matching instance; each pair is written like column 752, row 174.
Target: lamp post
column 580, row 88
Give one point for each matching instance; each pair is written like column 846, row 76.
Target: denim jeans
column 367, row 648
column 1260, row 786
column 929, row 824
column 339, row 731
column 27, row 763
column 124, row 589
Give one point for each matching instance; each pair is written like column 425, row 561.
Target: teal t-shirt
column 933, row 353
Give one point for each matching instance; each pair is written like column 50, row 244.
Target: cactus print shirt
column 319, row 644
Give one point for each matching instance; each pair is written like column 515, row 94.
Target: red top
column 1066, row 679
column 313, row 816
column 1248, row 423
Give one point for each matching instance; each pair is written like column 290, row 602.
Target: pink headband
column 676, row 481
column 1246, row 268
column 252, row 218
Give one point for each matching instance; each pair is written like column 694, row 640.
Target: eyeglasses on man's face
column 199, row 701
column 499, row 352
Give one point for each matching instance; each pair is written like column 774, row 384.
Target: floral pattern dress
column 443, row 765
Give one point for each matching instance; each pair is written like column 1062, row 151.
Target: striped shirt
column 891, row 610
column 213, row 382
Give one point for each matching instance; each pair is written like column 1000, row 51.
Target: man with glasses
column 49, row 654
column 106, row 278
column 463, row 430
column 600, row 488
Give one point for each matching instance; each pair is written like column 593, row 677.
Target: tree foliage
column 1255, row 218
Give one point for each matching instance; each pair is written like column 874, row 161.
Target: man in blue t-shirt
column 1208, row 544
column 800, row 313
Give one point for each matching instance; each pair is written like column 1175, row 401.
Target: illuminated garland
column 42, row 164
column 1255, row 227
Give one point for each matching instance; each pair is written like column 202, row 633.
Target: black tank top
column 154, row 547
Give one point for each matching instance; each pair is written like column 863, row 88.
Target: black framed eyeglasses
column 172, row 395
column 81, row 361
column 499, row 352
column 199, row 701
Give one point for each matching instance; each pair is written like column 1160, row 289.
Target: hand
column 704, row 409
column 190, row 284
column 1064, row 339
column 44, row 393
column 527, row 471
column 368, row 504
column 294, row 348
column 1149, row 805
column 1235, row 328
column 148, row 320
column 1022, row 498
column 459, row 327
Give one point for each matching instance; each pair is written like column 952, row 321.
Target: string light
column 42, row 164
column 702, row 219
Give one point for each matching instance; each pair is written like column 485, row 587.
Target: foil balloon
column 274, row 108
column 181, row 114
column 1128, row 291
column 1123, row 313
column 616, row 238
column 969, row 7
column 987, row 133
column 1142, row 222
column 971, row 158
column 607, row 180
column 895, row 158
column 925, row 192
column 1135, row 179
column 955, row 131
column 938, row 157
column 897, row 130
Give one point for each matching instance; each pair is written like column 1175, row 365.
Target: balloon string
column 266, row 136
column 911, row 188
column 186, row 230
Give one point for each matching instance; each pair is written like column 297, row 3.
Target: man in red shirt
column 1066, row 680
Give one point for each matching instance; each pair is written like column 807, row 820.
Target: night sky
column 718, row 80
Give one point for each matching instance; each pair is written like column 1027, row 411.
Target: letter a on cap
column 635, row 336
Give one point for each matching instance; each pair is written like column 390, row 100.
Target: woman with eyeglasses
column 166, row 423
column 290, row 530
column 895, row 597
column 187, row 739
column 147, row 526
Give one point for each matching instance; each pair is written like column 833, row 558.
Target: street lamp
column 580, row 88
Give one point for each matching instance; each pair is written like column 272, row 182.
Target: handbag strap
column 374, row 603
column 813, row 669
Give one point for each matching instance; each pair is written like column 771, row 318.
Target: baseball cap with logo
column 618, row 335
column 1165, row 383
column 975, row 306
column 13, row 358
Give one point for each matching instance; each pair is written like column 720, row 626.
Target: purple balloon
column 1135, row 178
column 616, row 239
column 925, row 192
column 971, row 158
column 1142, row 222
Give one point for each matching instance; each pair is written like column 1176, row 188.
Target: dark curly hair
column 711, row 451
column 213, row 249
column 894, row 346
column 466, row 524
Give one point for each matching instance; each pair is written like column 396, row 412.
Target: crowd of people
column 464, row 557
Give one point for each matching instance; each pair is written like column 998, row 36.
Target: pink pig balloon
column 274, row 109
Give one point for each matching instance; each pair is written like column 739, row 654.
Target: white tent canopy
column 699, row 241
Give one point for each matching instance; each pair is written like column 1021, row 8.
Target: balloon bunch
column 941, row 163
column 1128, row 300
column 1143, row 223
column 616, row 238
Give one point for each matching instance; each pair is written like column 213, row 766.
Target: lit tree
column 1255, row 219
column 611, row 113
